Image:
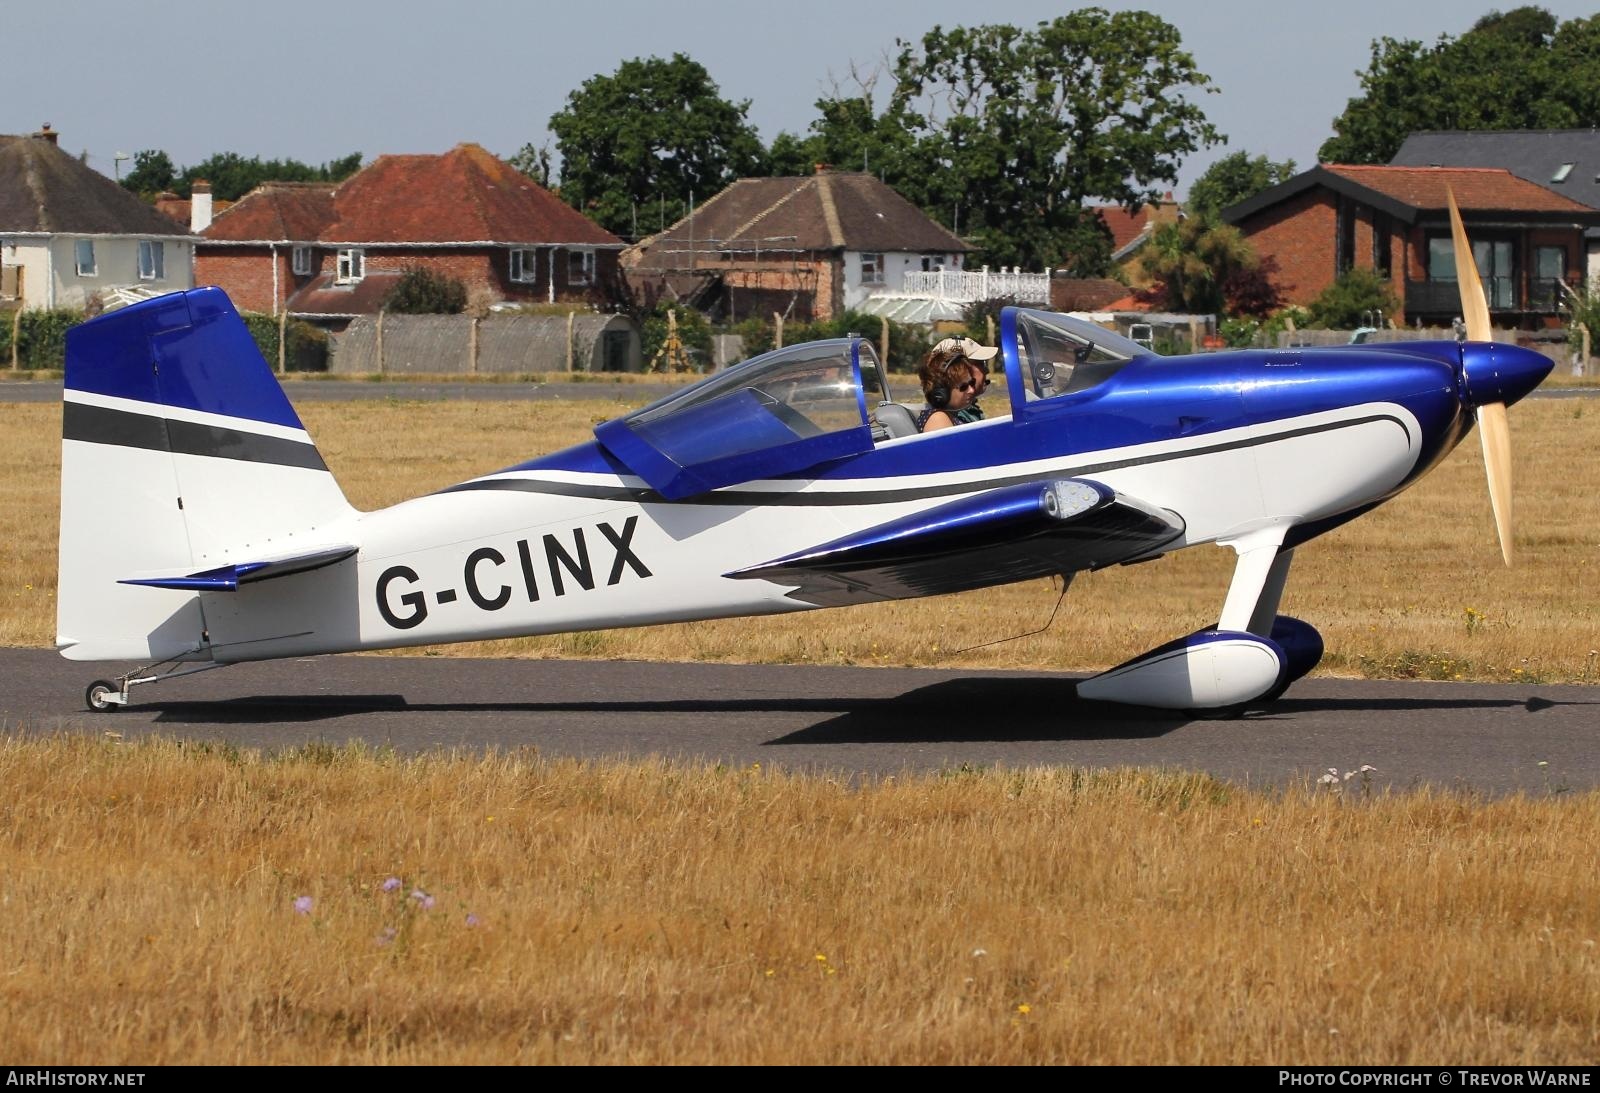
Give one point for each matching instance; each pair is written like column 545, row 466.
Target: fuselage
column 574, row 540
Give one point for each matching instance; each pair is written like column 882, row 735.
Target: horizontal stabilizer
column 228, row 578
column 1014, row 533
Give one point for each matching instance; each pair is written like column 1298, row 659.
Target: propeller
column 1492, row 427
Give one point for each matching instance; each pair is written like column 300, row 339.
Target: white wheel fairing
column 1218, row 673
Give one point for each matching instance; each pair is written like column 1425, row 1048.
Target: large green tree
column 651, row 135
column 1522, row 69
column 1016, row 130
column 1234, row 178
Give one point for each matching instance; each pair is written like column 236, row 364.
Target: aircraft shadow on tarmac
column 987, row 708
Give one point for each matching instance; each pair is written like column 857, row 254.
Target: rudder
column 180, row 453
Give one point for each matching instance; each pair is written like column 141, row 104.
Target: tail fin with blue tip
column 181, row 457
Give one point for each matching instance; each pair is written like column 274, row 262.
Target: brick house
column 329, row 252
column 71, row 237
column 808, row 247
column 1527, row 238
column 1566, row 161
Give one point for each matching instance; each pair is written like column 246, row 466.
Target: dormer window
column 302, row 263
column 352, row 266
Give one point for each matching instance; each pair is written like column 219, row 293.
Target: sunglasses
column 969, row 385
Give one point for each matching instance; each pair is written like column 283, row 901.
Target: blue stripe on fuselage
column 1156, row 399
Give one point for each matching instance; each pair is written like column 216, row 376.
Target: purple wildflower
column 391, row 884
column 386, row 935
column 302, row 905
column 472, row 920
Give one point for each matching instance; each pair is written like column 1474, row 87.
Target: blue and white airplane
column 200, row 526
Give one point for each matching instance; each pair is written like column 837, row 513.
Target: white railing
column 965, row 286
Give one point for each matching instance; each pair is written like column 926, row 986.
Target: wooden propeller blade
column 1474, row 305
column 1497, row 465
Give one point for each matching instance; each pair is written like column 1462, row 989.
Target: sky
column 315, row 80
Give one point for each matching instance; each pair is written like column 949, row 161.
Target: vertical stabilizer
column 180, row 453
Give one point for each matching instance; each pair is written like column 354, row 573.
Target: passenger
column 953, row 375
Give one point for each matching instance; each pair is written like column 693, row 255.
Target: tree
column 654, row 131
column 230, row 174
column 1193, row 262
column 533, row 162
column 1015, row 130
column 1234, row 178
column 1347, row 302
column 152, row 173
column 421, row 291
column 1518, row 70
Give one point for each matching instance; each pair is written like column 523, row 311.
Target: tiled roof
column 275, row 212
column 1125, row 226
column 321, row 296
column 465, row 195
column 1537, row 155
column 43, row 189
column 1405, row 192
column 822, row 212
column 1481, row 189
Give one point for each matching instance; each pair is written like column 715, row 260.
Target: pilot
column 954, row 373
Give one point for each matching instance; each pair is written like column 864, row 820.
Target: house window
column 927, row 264
column 352, row 266
column 1562, row 172
column 1346, row 256
column 301, row 262
column 525, row 266
column 1381, row 229
column 85, row 251
column 152, row 261
column 872, row 269
column 580, row 267
column 1495, row 259
column 1550, row 270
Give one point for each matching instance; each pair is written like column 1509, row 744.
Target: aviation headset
column 939, row 393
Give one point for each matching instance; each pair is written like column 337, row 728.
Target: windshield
column 1058, row 354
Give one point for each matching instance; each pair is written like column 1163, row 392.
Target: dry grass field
column 1415, row 589
column 162, row 903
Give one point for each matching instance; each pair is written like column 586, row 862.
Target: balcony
column 1442, row 297
column 965, row 286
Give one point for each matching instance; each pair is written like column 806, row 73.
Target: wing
column 1033, row 529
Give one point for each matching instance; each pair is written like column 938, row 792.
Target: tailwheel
column 103, row 696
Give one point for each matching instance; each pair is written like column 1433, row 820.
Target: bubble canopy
column 780, row 412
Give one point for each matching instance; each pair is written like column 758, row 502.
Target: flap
column 1034, row 529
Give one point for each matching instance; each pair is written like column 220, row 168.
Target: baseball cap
column 969, row 348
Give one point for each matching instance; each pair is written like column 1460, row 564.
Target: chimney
column 199, row 206
column 47, row 134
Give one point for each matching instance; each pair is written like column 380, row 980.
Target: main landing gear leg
column 104, row 695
